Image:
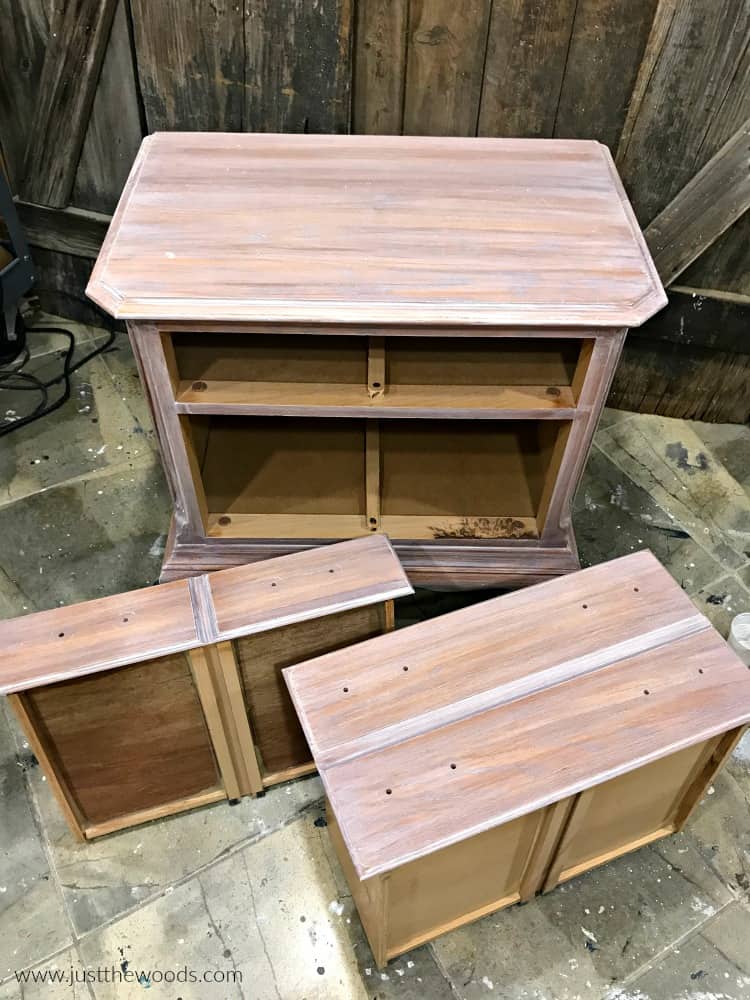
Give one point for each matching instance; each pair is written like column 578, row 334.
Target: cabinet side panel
column 276, row 729
column 127, row 740
column 460, row 883
column 629, row 811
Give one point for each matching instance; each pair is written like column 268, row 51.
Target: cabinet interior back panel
column 127, row 739
column 268, row 358
column 480, row 361
column 276, row 729
column 285, row 466
column 477, row 468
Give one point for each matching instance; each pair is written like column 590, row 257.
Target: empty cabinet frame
column 148, row 703
column 476, row 763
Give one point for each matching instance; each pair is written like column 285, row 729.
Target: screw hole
column 273, row 584
column 635, row 589
column 60, row 635
column 376, row 385
column 405, row 669
column 345, row 690
column 331, row 570
column 646, row 691
column 373, row 520
column 125, row 619
column 199, row 387
column 584, row 606
column 453, row 767
column 389, row 791
column 224, row 519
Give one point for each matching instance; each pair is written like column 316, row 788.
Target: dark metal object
column 16, row 278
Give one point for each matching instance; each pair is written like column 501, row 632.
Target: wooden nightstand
column 341, row 335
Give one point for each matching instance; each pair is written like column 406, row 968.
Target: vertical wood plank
column 696, row 96
column 575, row 822
column 444, row 66
column 552, row 821
column 606, row 47
column 179, row 460
column 375, row 366
column 526, row 54
column 298, row 67
column 372, row 474
column 65, row 800
column 114, row 130
column 191, row 64
column 575, row 441
column 206, row 674
column 24, row 40
column 78, row 37
column 237, row 722
column 705, row 773
column 379, row 66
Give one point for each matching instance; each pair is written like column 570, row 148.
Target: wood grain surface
column 378, row 229
column 68, row 642
column 431, row 735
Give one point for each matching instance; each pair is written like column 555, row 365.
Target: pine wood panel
column 127, row 740
column 368, row 228
column 450, row 755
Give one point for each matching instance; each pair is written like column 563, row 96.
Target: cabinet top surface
column 395, row 230
column 81, row 639
column 439, row 731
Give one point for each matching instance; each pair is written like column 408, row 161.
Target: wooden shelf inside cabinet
column 198, row 664
column 475, row 763
column 469, row 402
column 358, row 353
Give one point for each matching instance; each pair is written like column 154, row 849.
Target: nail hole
column 60, row 635
column 225, row 520
column 331, row 570
column 345, row 690
column 199, row 386
column 453, row 767
column 389, row 791
column 584, row 606
column 646, row 691
column 373, row 520
column 273, row 584
column 125, row 619
column 700, row 670
column 405, row 669
column 635, row 589
column 376, row 385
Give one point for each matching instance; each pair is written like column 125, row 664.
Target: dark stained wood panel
column 477, row 719
column 717, row 196
column 191, row 63
column 114, row 130
column 274, row 723
column 24, row 39
column 526, row 55
column 298, row 67
column 606, row 48
column 78, row 36
column 380, row 66
column 726, row 264
column 371, row 229
column 445, row 63
column 127, row 740
column 692, row 98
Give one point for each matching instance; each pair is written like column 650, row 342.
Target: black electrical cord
column 35, row 384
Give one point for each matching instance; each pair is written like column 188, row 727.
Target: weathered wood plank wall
column 664, row 83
